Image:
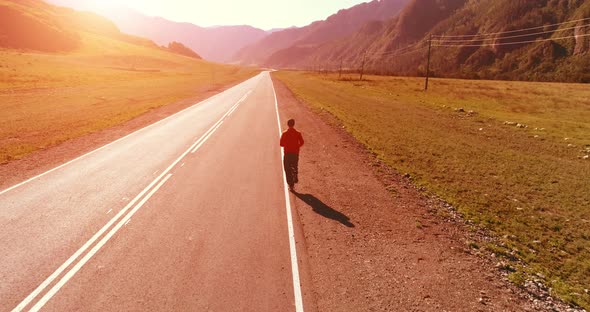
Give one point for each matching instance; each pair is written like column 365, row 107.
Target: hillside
column 337, row 26
column 376, row 37
column 26, row 25
column 212, row 43
column 179, row 48
column 398, row 46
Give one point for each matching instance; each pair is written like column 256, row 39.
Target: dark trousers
column 291, row 165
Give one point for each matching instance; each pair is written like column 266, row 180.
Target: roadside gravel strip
column 371, row 249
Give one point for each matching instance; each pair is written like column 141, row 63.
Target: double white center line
column 216, row 126
column 136, row 203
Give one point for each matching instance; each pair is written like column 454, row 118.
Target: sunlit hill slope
column 64, row 74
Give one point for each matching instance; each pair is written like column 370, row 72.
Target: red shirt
column 291, row 140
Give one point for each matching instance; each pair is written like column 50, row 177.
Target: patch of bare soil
column 40, row 161
column 374, row 243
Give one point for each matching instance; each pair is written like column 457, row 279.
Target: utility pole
column 428, row 63
column 363, row 65
column 340, row 71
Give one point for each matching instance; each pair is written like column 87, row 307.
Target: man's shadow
column 324, row 210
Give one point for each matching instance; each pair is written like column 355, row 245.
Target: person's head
column 291, row 123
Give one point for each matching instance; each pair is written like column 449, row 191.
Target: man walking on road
column 291, row 141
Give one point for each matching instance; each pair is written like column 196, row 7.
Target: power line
column 512, row 31
column 413, row 48
column 510, row 37
column 381, row 55
column 440, row 41
column 410, row 52
column 396, row 53
column 402, row 50
column 508, row 43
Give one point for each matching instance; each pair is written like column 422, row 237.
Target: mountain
column 27, row 24
column 337, row 26
column 550, row 48
column 212, row 43
column 375, row 38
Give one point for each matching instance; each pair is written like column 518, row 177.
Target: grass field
column 529, row 186
column 47, row 98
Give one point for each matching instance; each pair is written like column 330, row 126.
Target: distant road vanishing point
column 188, row 214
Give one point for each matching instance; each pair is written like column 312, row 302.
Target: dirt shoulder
column 377, row 247
column 40, row 161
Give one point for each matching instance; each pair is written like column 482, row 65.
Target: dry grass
column 46, row 99
column 530, row 187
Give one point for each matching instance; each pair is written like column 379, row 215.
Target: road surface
column 187, row 214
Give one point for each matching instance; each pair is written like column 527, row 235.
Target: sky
column 264, row 14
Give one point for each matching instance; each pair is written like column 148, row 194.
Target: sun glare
column 106, row 6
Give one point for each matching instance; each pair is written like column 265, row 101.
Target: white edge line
column 119, row 139
column 292, row 246
column 95, row 249
column 82, row 249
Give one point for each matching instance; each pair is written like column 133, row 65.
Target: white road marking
column 82, row 249
column 98, row 234
column 182, row 165
column 110, row 210
column 292, row 247
column 127, row 222
column 218, row 124
column 93, row 251
column 238, row 103
column 155, row 172
column 207, row 137
column 111, row 143
column 232, row 110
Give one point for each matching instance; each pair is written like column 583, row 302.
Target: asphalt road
column 187, row 214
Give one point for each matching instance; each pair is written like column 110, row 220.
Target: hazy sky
column 263, row 14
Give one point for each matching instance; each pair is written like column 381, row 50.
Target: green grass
column 46, row 99
column 530, row 186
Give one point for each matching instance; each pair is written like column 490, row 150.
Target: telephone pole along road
column 188, row 213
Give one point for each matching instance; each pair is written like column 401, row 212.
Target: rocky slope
column 554, row 45
column 290, row 42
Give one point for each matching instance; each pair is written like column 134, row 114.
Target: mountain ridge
column 545, row 58
column 336, row 26
column 216, row 43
